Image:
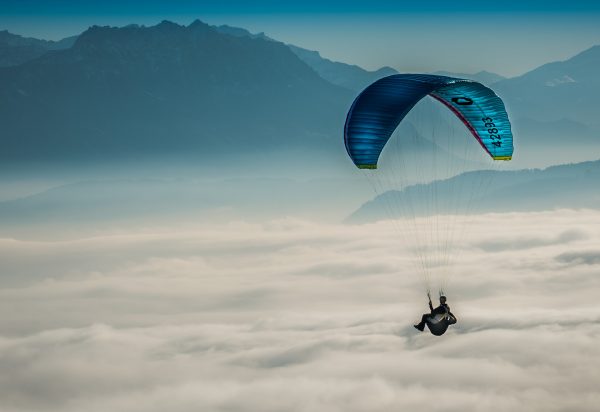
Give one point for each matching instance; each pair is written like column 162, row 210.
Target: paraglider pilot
column 443, row 309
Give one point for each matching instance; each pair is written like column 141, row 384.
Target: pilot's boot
column 421, row 325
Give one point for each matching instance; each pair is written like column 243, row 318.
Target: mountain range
column 212, row 91
column 136, row 91
column 573, row 186
column 483, row 77
column 90, row 205
column 558, row 90
column 15, row 49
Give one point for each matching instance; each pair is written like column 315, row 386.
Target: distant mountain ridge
column 15, row 49
column 240, row 32
column 166, row 89
column 349, row 76
column 483, row 77
column 559, row 90
column 169, row 89
column 573, row 186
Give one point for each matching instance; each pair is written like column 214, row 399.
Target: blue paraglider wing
column 380, row 108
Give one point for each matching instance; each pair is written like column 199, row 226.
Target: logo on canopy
column 462, row 101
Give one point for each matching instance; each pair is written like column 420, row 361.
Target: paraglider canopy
column 424, row 186
column 380, row 108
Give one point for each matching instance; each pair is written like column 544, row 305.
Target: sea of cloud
column 291, row 315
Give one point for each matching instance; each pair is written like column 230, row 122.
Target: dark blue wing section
column 379, row 109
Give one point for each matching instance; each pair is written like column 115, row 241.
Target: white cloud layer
column 295, row 316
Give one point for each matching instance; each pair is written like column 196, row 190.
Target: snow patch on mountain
column 560, row 80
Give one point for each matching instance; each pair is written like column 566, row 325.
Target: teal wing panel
column 483, row 112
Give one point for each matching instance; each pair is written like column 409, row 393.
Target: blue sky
column 509, row 38
column 70, row 7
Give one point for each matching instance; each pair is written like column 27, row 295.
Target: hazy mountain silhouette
column 572, row 186
column 15, row 49
column 483, row 77
column 67, row 210
column 240, row 32
column 206, row 90
column 349, row 76
column 346, row 75
column 553, row 110
column 166, row 89
column 561, row 90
